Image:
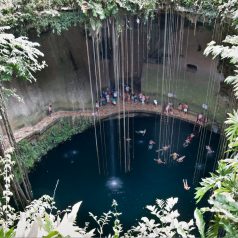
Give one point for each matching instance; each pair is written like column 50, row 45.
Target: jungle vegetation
column 19, row 58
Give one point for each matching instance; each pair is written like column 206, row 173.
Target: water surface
column 75, row 164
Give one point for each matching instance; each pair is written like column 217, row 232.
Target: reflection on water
column 199, row 166
column 71, row 153
column 114, row 184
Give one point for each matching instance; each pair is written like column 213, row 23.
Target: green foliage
column 59, row 15
column 63, row 130
column 165, row 224
column 232, row 130
column 223, row 184
column 223, row 201
column 7, row 234
column 200, row 222
column 18, row 57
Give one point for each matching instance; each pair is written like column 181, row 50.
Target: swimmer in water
column 188, row 140
column 159, row 161
column 174, row 156
column 142, row 132
column 164, row 148
column 209, row 149
column 151, row 144
column 180, row 160
column 185, row 184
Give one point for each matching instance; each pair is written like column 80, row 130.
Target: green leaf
column 200, row 222
column 53, row 234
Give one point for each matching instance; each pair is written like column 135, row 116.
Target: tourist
column 115, row 95
column 180, row 160
column 50, row 110
column 185, row 108
column 114, row 102
column 155, row 102
column 186, row 143
column 159, row 161
column 209, row 149
column 107, row 97
column 143, row 99
column 164, row 148
column 97, row 106
column 147, row 99
column 180, row 107
column 188, row 140
column 169, row 108
column 174, row 155
column 133, row 97
column 200, row 119
column 142, row 132
column 151, row 144
column 103, row 101
column 127, row 88
column 140, row 96
column 185, row 184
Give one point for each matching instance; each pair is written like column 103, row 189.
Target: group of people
column 112, row 96
column 168, row 108
column 175, row 156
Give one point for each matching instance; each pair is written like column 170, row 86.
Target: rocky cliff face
column 65, row 82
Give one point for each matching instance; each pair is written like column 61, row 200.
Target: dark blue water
column 75, row 164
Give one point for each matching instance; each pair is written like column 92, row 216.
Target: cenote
column 122, row 167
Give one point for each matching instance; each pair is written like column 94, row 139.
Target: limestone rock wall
column 64, row 83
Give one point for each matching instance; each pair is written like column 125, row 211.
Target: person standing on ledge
column 97, row 106
column 50, row 110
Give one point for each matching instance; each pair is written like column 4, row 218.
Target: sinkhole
column 119, row 163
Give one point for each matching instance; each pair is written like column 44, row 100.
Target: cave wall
column 65, row 82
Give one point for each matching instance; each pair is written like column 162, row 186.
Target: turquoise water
column 75, row 164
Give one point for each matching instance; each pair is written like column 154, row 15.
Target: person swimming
column 185, row 184
column 180, row 159
column 209, row 149
column 151, row 144
column 174, row 156
column 159, row 161
column 188, row 140
column 142, row 132
column 164, row 148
